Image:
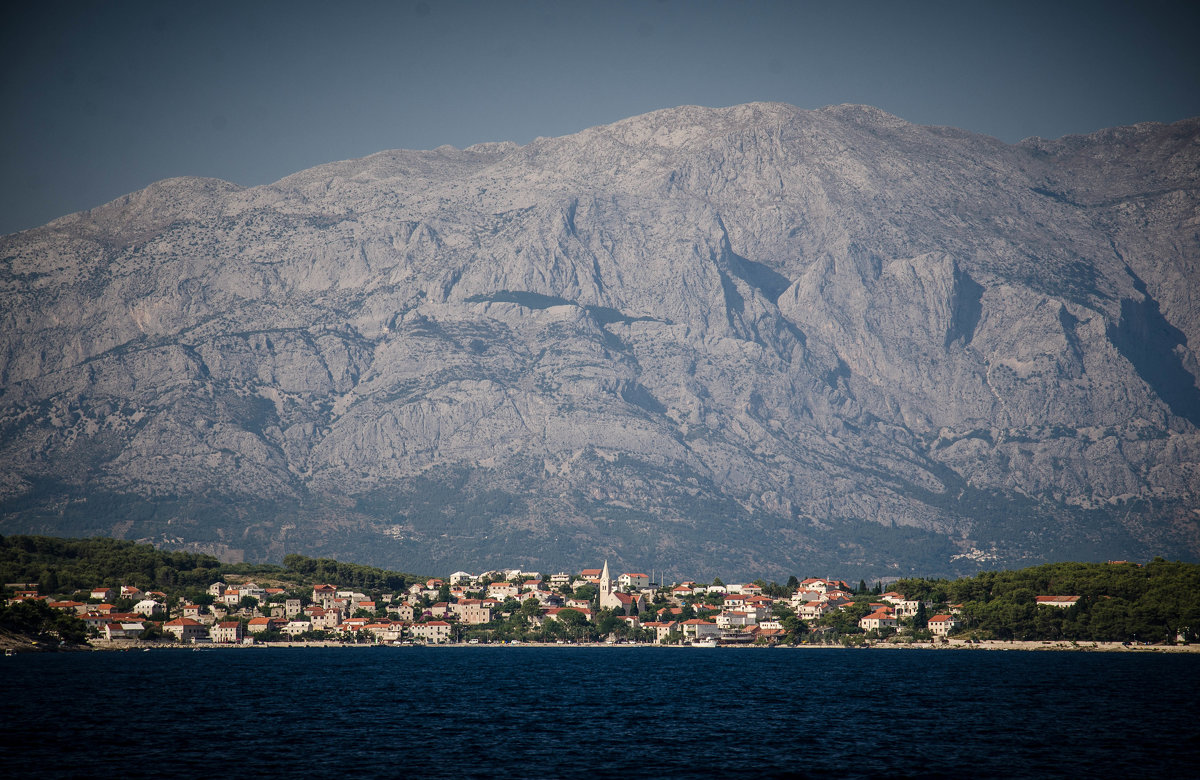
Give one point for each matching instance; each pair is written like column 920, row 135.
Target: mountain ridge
column 704, row 328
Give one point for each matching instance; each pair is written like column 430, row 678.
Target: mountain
column 750, row 340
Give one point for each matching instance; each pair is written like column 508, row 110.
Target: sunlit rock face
column 754, row 339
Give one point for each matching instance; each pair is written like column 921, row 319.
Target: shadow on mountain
column 760, row 277
column 1149, row 342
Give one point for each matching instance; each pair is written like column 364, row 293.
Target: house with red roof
column 74, row 607
column 385, row 630
column 941, row 625
column 1057, row 601
column 95, row 620
column 814, row 610
column 228, row 632
column 122, row 630
column 662, row 628
column 628, row 602
column 699, row 629
column 553, row 614
column 631, row 580
column 503, row 590
column 772, row 635
column 322, row 594
column 735, row 618
column 437, row 631
column 804, row 595
column 261, row 625
column 472, row 612
column 186, row 629
column 880, row 618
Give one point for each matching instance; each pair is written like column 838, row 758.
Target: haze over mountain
column 751, row 340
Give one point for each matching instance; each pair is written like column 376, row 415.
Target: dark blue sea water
column 599, row 712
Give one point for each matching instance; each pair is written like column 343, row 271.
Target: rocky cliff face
column 754, row 339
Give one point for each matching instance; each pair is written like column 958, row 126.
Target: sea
column 599, row 712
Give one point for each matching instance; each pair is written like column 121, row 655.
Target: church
column 614, row 599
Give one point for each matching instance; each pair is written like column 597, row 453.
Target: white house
column 880, row 618
column 941, row 625
column 471, row 612
column 123, row 630
column 296, row 627
column 148, row 607
column 631, row 580
column 732, row 618
column 253, row 590
column 229, row 632
column 104, row 594
column 503, row 590
column 437, row 631
column 699, row 629
column 815, row 583
column 813, row 610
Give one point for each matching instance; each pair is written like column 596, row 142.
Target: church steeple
column 605, row 585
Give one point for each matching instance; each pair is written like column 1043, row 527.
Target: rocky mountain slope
column 752, row 339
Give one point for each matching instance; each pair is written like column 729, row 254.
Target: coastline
column 127, row 645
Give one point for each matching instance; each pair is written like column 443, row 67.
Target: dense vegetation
column 1118, row 602
column 38, row 621
column 69, row 565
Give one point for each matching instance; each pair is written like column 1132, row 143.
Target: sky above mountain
column 104, row 98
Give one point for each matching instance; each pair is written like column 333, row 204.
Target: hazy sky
column 103, row 98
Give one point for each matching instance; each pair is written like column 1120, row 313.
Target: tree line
column 1157, row 602
column 65, row 566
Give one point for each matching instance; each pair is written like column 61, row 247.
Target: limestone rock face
column 745, row 340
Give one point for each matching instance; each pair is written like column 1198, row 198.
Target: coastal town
column 514, row 606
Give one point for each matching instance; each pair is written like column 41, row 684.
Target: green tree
column 921, row 618
column 796, row 629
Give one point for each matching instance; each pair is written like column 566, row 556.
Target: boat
column 704, row 643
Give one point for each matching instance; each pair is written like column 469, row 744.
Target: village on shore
column 515, row 607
